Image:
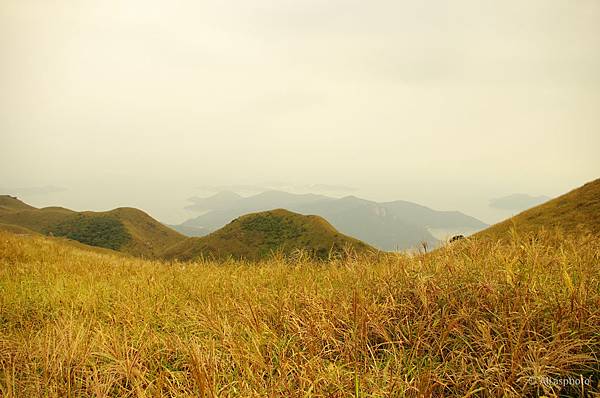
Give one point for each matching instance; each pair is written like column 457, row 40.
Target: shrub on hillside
column 102, row 231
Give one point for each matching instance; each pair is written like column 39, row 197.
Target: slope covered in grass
column 258, row 235
column 472, row 319
column 124, row 229
column 12, row 203
column 573, row 211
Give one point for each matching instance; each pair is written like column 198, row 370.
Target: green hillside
column 578, row 210
column 256, row 236
column 101, row 231
column 124, row 229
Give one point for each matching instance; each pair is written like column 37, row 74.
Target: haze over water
column 446, row 103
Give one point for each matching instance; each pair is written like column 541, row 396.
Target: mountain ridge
column 258, row 235
column 387, row 225
column 124, row 229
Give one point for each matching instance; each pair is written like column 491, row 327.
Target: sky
column 446, row 103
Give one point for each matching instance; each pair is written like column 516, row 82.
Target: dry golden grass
column 471, row 319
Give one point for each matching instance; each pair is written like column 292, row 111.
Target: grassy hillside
column 38, row 220
column 12, row 203
column 576, row 210
column 17, row 229
column 259, row 235
column 471, row 319
column 148, row 236
column 124, row 229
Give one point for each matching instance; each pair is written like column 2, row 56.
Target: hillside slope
column 258, row 235
column 12, row 203
column 124, row 229
column 472, row 320
column 576, row 210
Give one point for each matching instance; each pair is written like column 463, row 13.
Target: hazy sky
column 448, row 103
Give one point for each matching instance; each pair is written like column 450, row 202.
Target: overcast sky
column 447, row 103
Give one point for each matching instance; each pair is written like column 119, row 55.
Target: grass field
column 472, row 319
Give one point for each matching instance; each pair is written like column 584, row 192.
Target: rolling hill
column 387, row 226
column 127, row 230
column 571, row 212
column 256, row 236
column 11, row 203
